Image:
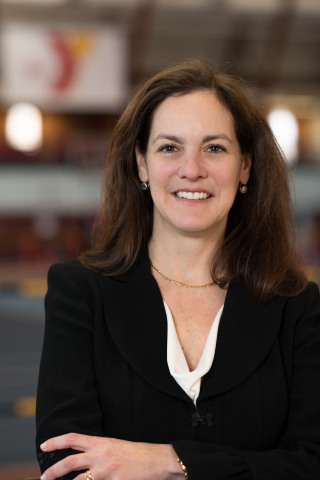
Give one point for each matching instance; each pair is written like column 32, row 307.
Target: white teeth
column 193, row 195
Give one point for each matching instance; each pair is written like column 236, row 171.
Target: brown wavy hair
column 258, row 249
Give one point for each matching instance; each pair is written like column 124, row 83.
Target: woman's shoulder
column 76, row 272
column 302, row 312
column 310, row 293
column 71, row 273
column 310, row 296
column 292, row 308
column 70, row 267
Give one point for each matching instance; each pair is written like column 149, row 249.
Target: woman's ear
column 142, row 166
column 246, row 166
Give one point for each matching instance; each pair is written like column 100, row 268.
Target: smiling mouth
column 193, row 195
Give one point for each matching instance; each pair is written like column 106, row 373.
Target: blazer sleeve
column 64, row 406
column 298, row 454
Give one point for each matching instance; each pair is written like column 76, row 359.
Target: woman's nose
column 192, row 167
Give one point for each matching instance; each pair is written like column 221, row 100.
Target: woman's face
column 193, row 164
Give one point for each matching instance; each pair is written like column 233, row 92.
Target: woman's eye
column 216, row 148
column 168, row 148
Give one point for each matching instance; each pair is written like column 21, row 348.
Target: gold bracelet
column 183, row 467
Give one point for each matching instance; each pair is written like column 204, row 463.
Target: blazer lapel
column 246, row 334
column 136, row 319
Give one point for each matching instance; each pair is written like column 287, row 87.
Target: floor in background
column 19, row 470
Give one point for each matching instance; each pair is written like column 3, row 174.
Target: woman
column 185, row 343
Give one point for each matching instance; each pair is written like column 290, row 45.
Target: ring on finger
column 88, row 475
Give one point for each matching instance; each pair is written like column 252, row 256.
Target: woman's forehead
column 191, row 112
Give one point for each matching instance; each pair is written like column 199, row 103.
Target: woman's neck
column 184, row 258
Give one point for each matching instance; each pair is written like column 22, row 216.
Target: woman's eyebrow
column 219, row 136
column 164, row 136
column 207, row 138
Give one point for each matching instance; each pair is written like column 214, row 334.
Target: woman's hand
column 112, row 459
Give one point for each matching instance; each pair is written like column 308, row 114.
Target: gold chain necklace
column 180, row 284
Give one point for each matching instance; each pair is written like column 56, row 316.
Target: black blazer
column 104, row 372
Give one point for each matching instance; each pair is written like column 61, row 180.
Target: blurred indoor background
column 67, row 68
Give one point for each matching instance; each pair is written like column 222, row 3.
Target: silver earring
column 243, row 188
column 145, row 185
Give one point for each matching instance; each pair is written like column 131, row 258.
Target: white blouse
column 190, row 382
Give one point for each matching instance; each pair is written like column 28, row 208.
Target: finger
column 72, row 463
column 75, row 441
column 96, row 473
column 83, row 477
